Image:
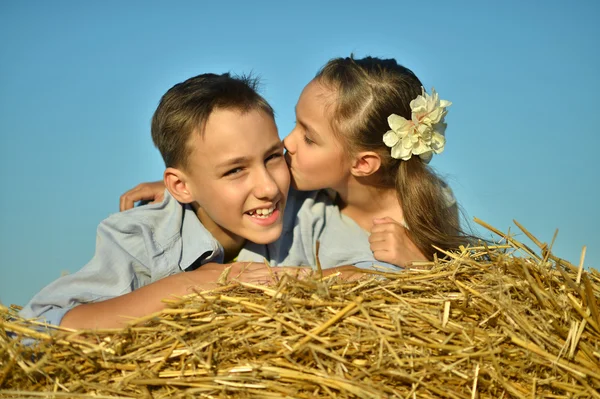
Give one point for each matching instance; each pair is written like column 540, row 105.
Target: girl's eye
column 307, row 140
column 233, row 171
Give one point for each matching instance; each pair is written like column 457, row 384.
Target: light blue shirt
column 145, row 244
column 313, row 216
column 133, row 249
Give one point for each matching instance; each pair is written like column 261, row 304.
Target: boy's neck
column 363, row 202
column 231, row 243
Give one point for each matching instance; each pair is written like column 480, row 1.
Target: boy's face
column 237, row 174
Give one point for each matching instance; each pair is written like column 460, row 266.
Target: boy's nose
column 266, row 187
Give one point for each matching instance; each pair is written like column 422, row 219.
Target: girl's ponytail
column 431, row 220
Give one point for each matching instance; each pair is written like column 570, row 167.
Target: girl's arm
column 151, row 192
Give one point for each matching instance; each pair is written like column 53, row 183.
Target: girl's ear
column 176, row 183
column 365, row 164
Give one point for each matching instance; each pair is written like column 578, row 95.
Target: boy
column 227, row 182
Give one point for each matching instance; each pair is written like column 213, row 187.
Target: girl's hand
column 153, row 192
column 390, row 243
column 260, row 273
column 246, row 272
column 346, row 273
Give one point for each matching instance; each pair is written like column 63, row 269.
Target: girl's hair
column 368, row 91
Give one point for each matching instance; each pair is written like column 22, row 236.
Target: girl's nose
column 289, row 143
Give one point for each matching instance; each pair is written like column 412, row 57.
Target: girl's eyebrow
column 305, row 125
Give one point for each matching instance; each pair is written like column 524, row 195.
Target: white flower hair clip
column 423, row 135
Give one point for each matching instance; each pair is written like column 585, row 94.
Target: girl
column 366, row 129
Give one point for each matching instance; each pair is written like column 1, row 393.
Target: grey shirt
column 313, row 216
column 133, row 249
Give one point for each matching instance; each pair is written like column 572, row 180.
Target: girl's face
column 314, row 154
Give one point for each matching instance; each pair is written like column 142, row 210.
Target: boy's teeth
column 262, row 213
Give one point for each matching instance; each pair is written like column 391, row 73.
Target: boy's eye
column 307, row 140
column 233, row 171
column 274, row 156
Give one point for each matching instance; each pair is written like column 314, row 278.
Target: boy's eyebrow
column 276, row 146
column 243, row 160
column 233, row 161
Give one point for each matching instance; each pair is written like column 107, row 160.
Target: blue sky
column 79, row 82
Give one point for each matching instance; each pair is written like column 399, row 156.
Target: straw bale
column 494, row 321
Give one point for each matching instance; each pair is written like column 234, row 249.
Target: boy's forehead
column 231, row 132
column 234, row 119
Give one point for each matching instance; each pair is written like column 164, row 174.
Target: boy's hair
column 185, row 108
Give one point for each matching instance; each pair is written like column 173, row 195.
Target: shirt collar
column 195, row 240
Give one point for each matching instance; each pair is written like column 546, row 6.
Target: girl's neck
column 364, row 202
column 231, row 243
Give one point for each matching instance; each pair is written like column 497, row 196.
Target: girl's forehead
column 319, row 89
column 316, row 98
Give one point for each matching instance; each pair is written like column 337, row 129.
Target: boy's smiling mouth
column 265, row 216
column 262, row 212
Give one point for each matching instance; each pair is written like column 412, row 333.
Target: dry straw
column 495, row 321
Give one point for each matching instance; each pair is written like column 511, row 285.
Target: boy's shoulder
column 162, row 218
column 168, row 226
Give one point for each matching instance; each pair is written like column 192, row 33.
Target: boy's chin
column 266, row 237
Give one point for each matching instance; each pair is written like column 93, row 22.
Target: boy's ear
column 365, row 164
column 176, row 183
